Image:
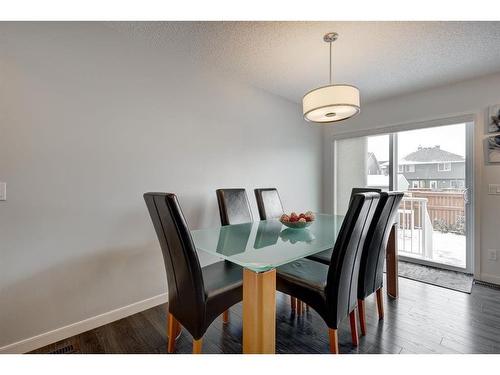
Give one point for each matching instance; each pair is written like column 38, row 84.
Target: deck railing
column 415, row 227
column 446, row 209
column 422, row 212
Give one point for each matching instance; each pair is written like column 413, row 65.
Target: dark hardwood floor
column 425, row 319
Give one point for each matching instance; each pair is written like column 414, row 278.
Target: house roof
column 431, row 155
column 372, row 155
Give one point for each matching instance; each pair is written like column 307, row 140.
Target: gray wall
column 89, row 121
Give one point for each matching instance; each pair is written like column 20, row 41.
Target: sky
column 451, row 138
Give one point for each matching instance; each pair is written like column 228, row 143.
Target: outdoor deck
column 448, row 248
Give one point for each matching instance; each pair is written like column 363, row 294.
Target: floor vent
column 486, row 284
column 68, row 349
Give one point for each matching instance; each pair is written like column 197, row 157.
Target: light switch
column 492, row 255
column 494, row 189
column 3, row 191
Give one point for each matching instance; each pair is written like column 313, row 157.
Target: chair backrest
column 373, row 254
column 268, row 203
column 358, row 190
column 186, row 291
column 234, row 207
column 342, row 283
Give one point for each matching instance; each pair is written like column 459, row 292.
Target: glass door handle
column 466, row 195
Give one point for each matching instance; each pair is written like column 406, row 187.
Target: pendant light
column 331, row 103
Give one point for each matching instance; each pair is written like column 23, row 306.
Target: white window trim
column 444, row 167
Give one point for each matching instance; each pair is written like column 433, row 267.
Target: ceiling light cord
column 331, row 67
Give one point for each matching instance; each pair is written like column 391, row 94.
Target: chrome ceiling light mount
column 331, row 103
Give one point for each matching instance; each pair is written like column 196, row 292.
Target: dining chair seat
column 323, row 257
column 223, row 283
column 306, row 280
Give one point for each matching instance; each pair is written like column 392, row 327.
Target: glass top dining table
column 264, row 245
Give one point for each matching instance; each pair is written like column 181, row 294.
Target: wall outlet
column 3, row 191
column 494, row 189
column 492, row 255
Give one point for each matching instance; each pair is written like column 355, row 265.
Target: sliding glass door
column 433, row 168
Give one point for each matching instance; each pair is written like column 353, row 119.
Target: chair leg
column 334, row 341
column 173, row 330
column 225, row 317
column 299, row 307
column 354, row 327
column 293, row 303
column 380, row 303
column 197, row 344
column 362, row 317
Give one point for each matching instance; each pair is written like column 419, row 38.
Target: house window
column 453, row 184
column 444, row 167
column 433, row 185
column 410, row 168
column 401, row 168
column 415, row 184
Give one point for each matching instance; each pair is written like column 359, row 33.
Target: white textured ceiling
column 383, row 59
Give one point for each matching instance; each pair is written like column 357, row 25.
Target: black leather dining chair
column 268, row 203
column 234, row 207
column 325, row 256
column 331, row 290
column 373, row 255
column 196, row 295
column 270, row 207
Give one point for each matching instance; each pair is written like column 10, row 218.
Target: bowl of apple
column 297, row 221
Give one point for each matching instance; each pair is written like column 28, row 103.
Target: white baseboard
column 489, row 278
column 62, row 333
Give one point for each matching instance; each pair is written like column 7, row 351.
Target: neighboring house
column 384, row 167
column 373, row 166
column 378, row 174
column 433, row 168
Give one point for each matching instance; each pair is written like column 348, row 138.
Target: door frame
column 470, row 181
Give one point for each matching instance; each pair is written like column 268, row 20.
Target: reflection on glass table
column 297, row 235
column 263, row 245
column 267, row 233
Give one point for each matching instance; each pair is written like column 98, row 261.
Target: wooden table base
column 392, row 264
column 259, row 312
